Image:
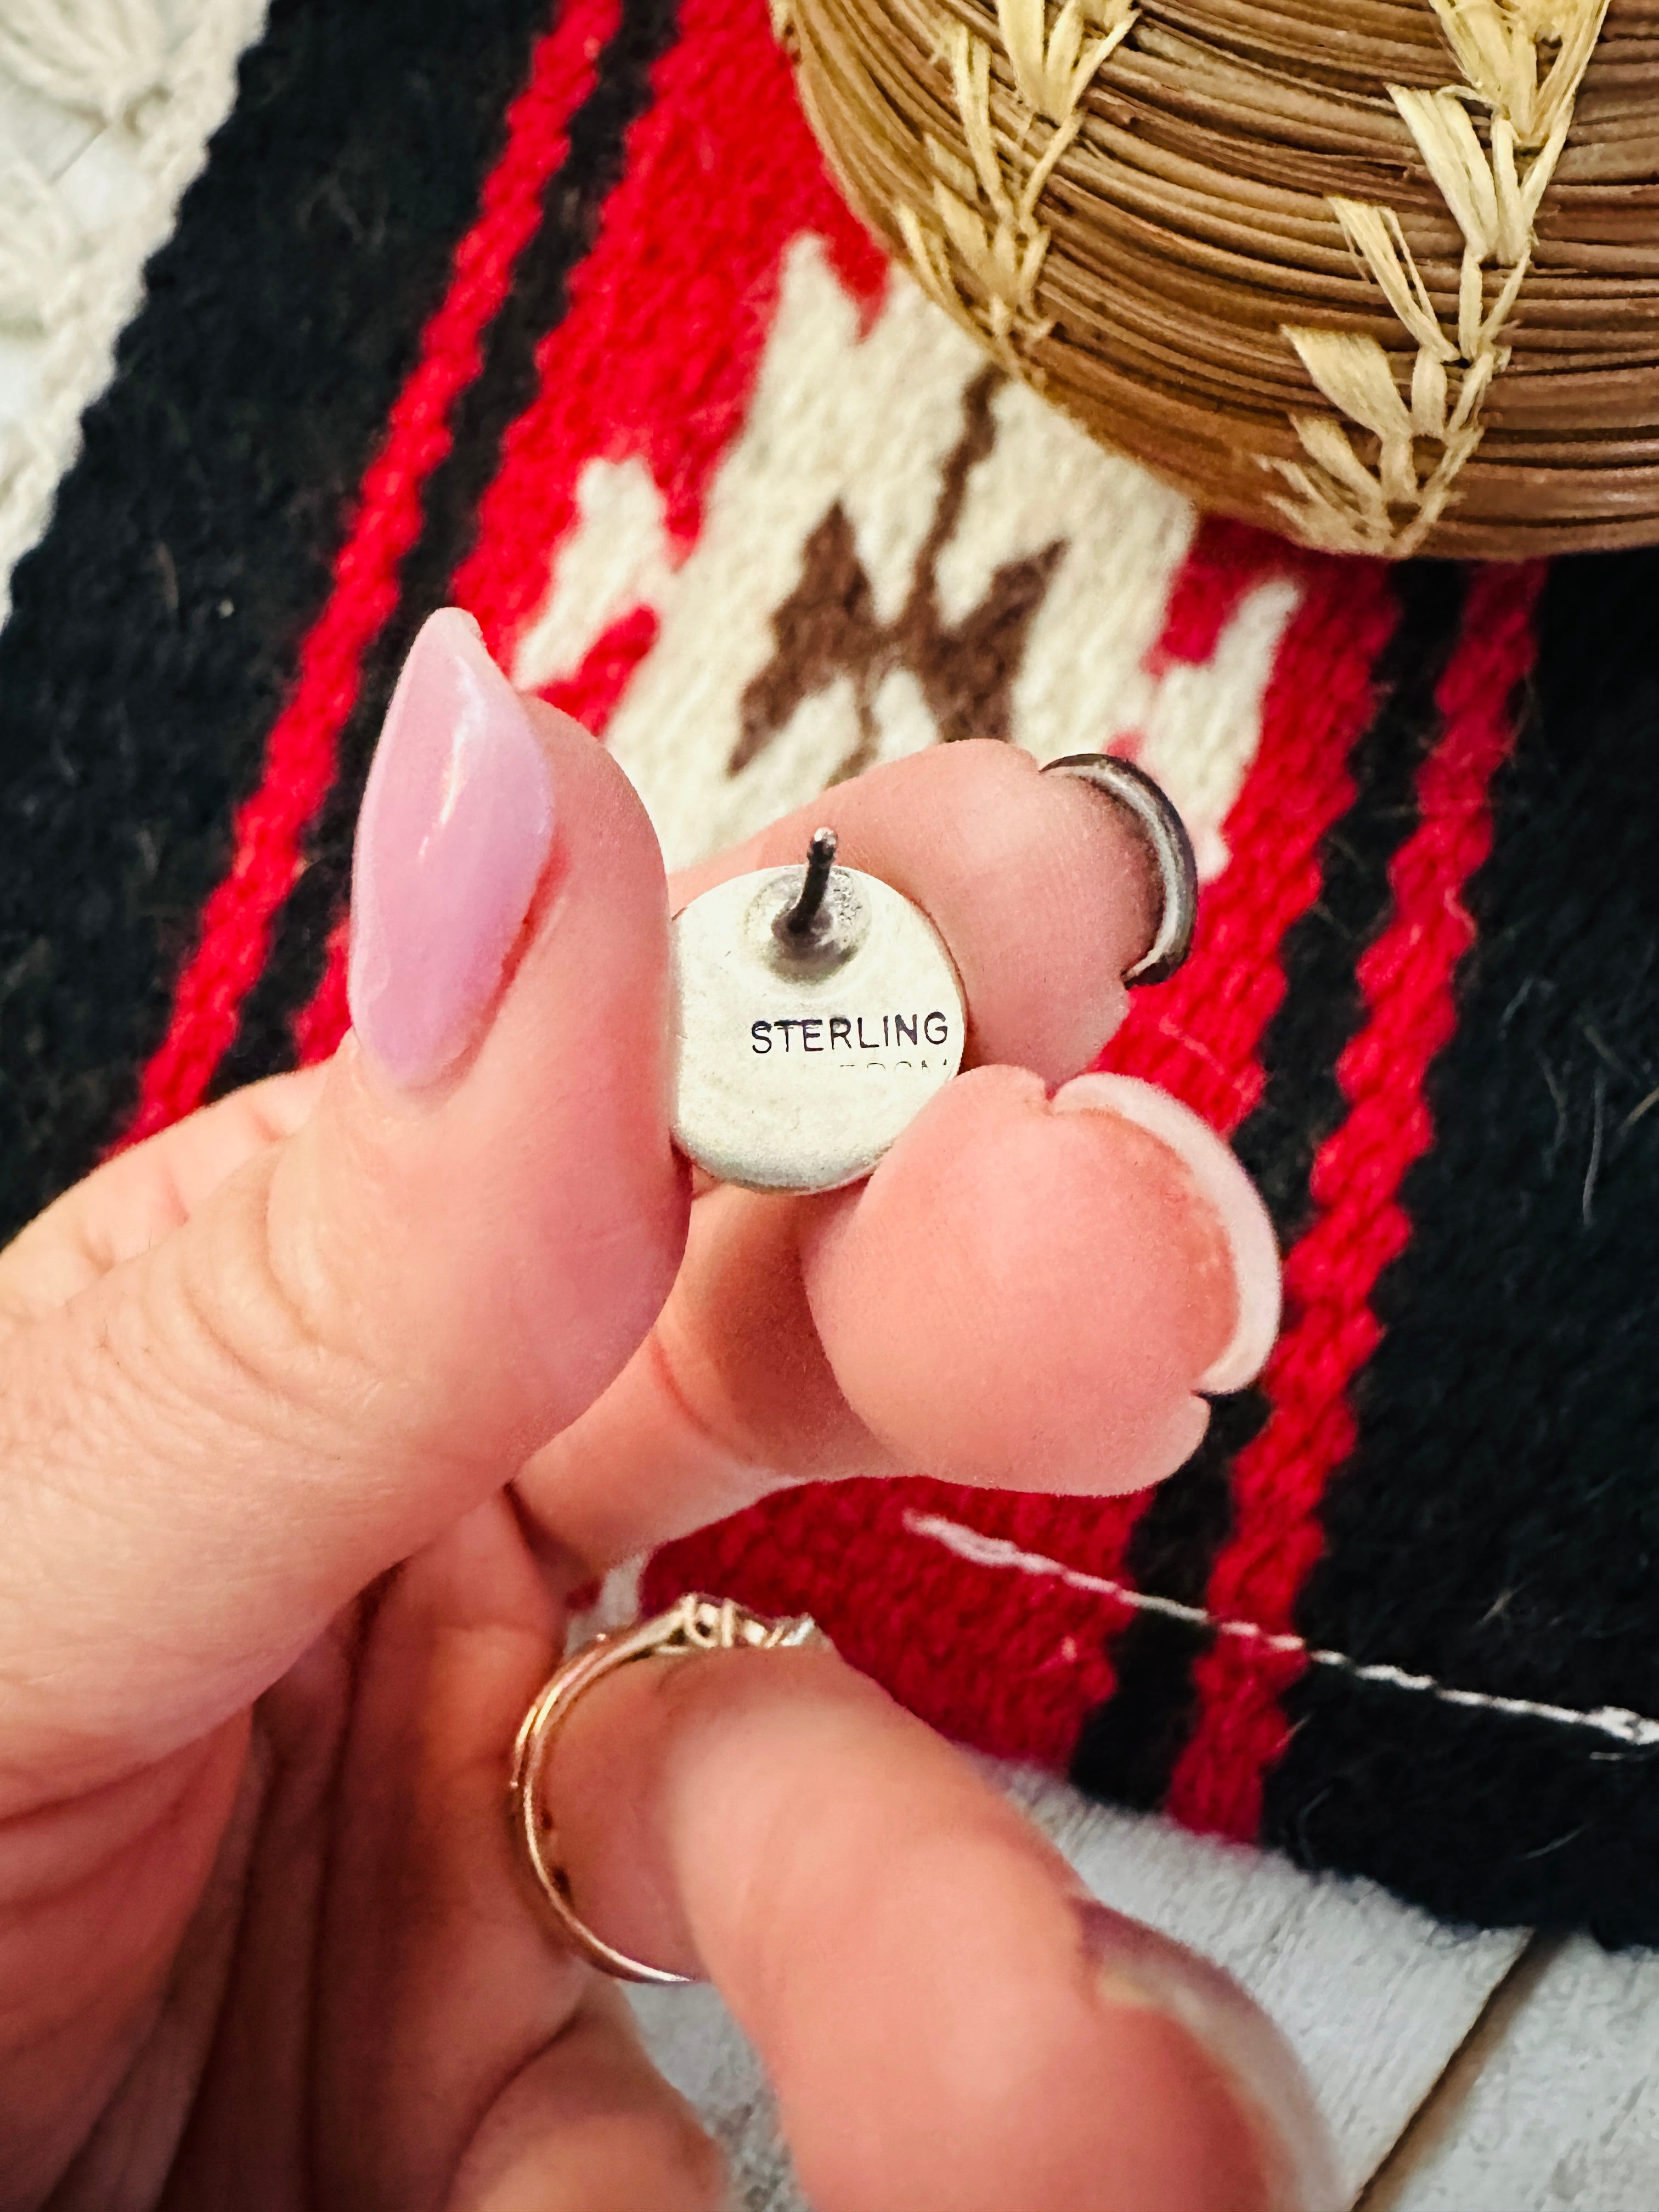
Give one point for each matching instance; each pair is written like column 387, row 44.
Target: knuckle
column 262, row 1346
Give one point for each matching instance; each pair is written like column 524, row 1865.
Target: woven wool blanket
column 553, row 311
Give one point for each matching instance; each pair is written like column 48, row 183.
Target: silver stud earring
column 818, row 1012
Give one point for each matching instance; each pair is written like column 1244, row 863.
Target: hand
column 273, row 1601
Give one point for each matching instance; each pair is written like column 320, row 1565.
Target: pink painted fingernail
column 453, row 835
column 1250, row 1239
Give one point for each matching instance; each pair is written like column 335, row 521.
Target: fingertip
column 947, row 2021
column 1022, row 874
column 1225, row 1188
column 1232, row 2068
column 524, row 1213
column 1021, row 1298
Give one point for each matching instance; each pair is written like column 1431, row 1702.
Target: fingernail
column 1134, row 1965
column 1230, row 1192
column 453, row 835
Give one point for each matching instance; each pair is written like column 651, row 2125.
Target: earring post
column 820, row 860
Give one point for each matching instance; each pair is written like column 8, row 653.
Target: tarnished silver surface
column 800, row 1060
column 1152, row 812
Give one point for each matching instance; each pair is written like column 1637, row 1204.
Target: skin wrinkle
column 280, row 1772
column 159, row 1843
column 207, row 1358
column 699, row 1425
column 489, row 2092
column 99, row 1816
column 460, row 1641
column 125, row 1208
column 669, row 2148
column 350, row 1632
column 231, row 1349
column 58, row 1481
column 173, row 1404
column 486, row 2098
column 126, row 1508
column 189, row 2001
column 325, row 1325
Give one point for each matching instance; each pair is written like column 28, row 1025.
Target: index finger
column 1025, row 876
column 950, row 2023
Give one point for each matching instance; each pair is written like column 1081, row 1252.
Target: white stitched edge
column 92, row 302
column 1634, row 1731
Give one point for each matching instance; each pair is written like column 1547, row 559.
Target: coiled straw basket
column 1380, row 273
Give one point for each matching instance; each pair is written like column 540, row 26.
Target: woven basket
column 1380, row 273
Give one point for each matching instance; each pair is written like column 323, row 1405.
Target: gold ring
column 697, row 1623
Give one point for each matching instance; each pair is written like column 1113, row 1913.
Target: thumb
column 367, row 1327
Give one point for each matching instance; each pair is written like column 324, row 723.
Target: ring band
column 697, row 1623
column 1165, row 834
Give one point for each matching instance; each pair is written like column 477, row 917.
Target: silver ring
column 1164, row 835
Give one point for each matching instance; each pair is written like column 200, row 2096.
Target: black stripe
column 1302, row 1102
column 505, row 386
column 1498, row 1524
column 155, row 628
column 1128, row 1747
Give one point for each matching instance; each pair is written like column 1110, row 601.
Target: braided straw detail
column 984, row 209
column 1385, row 273
column 1493, row 190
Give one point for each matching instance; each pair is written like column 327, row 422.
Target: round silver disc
column 799, row 1067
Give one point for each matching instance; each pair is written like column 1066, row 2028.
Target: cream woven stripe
column 105, row 110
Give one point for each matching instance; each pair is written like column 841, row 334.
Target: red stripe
column 920, row 1620
column 1225, row 561
column 1200, row 1035
column 1406, row 982
column 301, row 751
column 591, row 694
column 324, row 1020
column 657, row 353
